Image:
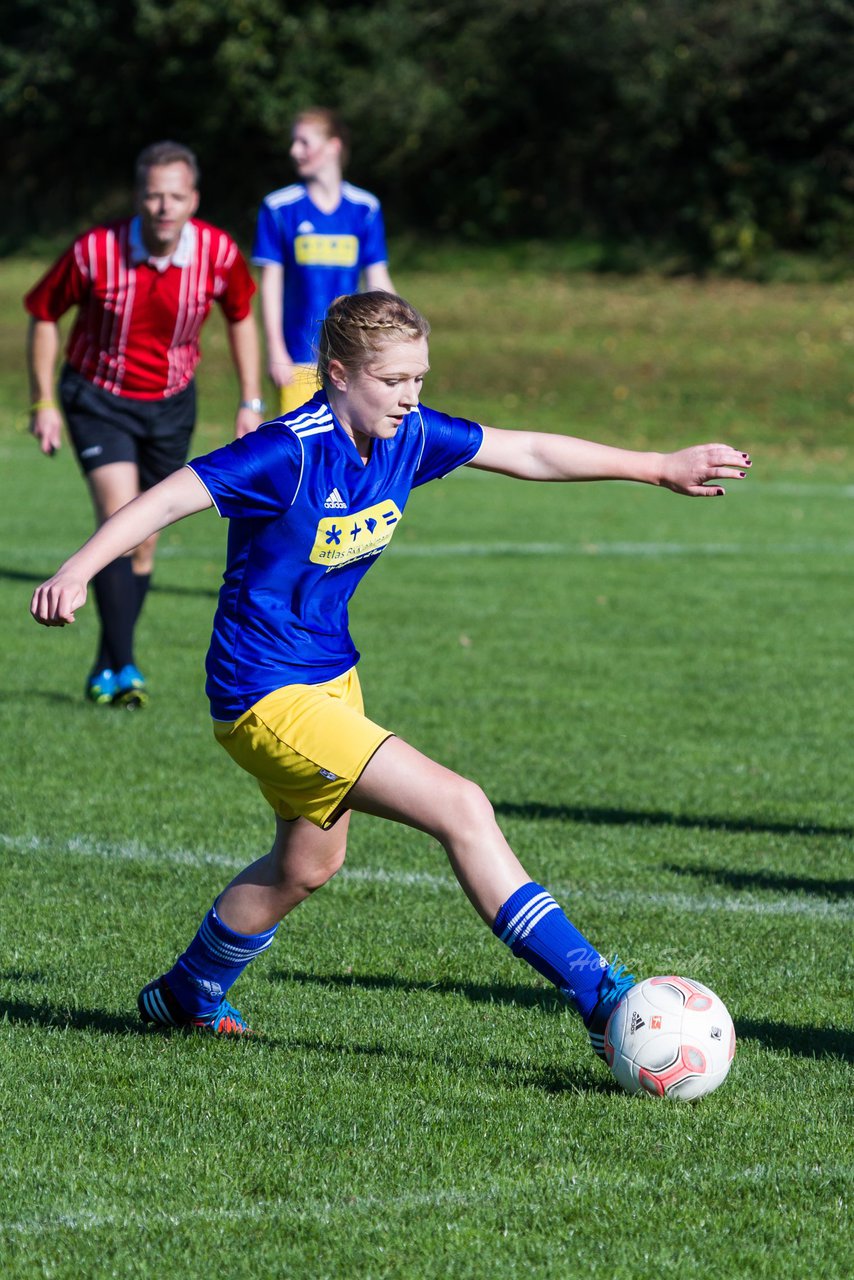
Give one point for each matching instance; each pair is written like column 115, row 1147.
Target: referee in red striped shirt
column 143, row 288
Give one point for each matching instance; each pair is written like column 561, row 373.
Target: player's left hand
column 695, row 471
column 246, row 422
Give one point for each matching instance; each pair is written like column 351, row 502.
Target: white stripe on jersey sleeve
column 285, row 195
column 309, row 424
column 358, row 196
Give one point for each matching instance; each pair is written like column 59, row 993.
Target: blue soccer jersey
column 308, row 519
column 323, row 255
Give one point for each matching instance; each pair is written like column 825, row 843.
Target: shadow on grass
column 804, row 1042
column 46, row 695
column 774, row 882
column 581, row 1077
column 526, row 997
column 73, row 1019
column 160, row 588
column 19, row 575
column 505, row 1072
column 537, row 812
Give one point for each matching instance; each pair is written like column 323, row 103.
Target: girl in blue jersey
column 312, row 499
column 315, row 239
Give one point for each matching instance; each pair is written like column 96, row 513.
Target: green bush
column 721, row 129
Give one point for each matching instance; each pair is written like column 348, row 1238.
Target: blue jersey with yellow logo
column 308, row 519
column 323, row 255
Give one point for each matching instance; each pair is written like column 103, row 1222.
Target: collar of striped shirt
column 184, row 250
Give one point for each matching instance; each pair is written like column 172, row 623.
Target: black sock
column 104, row 660
column 116, row 594
column 141, row 582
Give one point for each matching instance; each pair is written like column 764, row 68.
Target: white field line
column 780, row 488
column 329, row 1212
column 580, row 550
column 794, row 489
column 636, row 550
column 677, row 902
column 741, row 903
column 133, row 851
column 576, row 550
column 755, row 488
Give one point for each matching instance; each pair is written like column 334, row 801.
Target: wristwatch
column 257, row 406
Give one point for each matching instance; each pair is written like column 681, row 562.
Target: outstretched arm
column 532, row 455
column 179, row 495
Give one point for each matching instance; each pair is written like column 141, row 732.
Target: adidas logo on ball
column 670, row 1037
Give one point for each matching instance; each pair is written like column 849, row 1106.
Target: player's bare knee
column 469, row 811
column 309, row 873
column 325, row 870
column 315, row 879
column 143, row 555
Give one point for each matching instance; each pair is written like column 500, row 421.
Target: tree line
column 718, row 128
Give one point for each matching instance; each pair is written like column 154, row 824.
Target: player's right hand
column 55, row 601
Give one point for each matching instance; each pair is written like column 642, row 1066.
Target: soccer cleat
column 130, row 691
column 616, row 981
column 101, row 687
column 158, row 1005
column 226, row 1021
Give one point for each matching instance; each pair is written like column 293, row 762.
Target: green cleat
column 130, row 691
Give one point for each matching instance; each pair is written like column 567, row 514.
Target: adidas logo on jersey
column 335, row 500
column 304, row 228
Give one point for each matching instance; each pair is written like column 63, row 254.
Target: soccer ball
column 670, row 1037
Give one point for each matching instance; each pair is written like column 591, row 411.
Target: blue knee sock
column 535, row 929
column 213, row 961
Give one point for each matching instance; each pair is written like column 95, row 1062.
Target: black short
column 154, row 434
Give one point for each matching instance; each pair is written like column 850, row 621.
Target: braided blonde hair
column 358, row 325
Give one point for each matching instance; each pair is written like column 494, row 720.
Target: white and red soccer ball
column 670, row 1037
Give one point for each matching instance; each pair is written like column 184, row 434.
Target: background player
column 315, row 240
column 143, row 287
column 313, row 499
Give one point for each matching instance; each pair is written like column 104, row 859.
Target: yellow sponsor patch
column 342, row 539
column 326, row 251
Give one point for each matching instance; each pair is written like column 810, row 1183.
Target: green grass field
column 656, row 694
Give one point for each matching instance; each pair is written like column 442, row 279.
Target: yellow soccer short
column 302, row 388
column 306, row 744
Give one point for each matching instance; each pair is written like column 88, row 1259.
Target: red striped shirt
column 136, row 332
